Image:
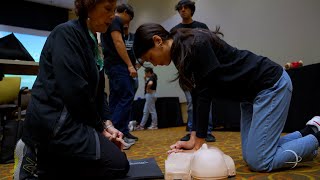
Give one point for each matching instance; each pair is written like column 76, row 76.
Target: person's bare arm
column 148, row 89
column 122, row 51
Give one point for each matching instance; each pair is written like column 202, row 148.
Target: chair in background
column 10, row 116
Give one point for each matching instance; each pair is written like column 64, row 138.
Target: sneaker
column 132, row 125
column 130, row 136
column 129, row 142
column 185, row 138
column 315, row 121
column 152, row 127
column 210, row 138
column 139, row 128
column 25, row 166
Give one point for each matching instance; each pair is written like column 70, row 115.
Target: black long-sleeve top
column 223, row 71
column 68, row 102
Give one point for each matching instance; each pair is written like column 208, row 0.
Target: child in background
column 151, row 98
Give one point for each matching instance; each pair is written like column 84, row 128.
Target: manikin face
column 160, row 53
column 185, row 12
column 101, row 16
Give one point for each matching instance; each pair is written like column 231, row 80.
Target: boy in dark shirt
column 128, row 39
column 120, row 71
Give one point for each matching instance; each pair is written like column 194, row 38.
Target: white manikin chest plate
column 206, row 163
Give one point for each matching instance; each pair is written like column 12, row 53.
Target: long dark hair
column 182, row 51
column 182, row 48
column 143, row 40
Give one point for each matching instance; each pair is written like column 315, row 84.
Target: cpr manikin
column 206, row 163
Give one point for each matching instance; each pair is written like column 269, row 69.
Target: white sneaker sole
column 315, row 121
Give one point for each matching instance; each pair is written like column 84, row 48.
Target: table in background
column 18, row 67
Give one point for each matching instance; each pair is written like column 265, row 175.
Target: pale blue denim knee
column 296, row 138
column 262, row 123
column 150, row 108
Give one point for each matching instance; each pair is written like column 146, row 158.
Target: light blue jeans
column 262, row 122
column 150, row 108
column 190, row 113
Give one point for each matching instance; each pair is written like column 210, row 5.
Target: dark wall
column 304, row 103
column 31, row 15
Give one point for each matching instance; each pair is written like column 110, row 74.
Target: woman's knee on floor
column 121, row 162
column 113, row 160
column 118, row 167
column 255, row 164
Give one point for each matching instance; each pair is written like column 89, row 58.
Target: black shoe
column 130, row 136
column 185, row 138
column 210, row 138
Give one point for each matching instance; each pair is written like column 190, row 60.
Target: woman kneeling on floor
column 209, row 67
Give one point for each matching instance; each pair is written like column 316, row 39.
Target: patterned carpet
column 155, row 143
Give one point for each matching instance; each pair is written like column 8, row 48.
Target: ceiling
column 68, row 4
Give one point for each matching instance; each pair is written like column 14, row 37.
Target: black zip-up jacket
column 68, row 102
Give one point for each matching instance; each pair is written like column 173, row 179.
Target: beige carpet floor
column 155, row 143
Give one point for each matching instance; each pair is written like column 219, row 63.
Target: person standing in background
column 151, row 98
column 129, row 38
column 186, row 9
column 120, row 70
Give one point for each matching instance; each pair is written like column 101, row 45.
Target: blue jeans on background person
column 150, row 108
column 190, row 114
column 121, row 96
column 135, row 84
column 262, row 123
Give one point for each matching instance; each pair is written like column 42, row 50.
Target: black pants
column 112, row 164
